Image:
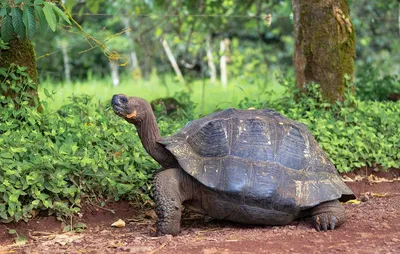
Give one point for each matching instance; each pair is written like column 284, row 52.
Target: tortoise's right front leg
column 168, row 198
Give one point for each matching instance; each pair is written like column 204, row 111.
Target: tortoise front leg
column 169, row 194
column 328, row 215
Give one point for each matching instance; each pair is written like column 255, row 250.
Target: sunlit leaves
column 51, row 19
column 20, row 20
column 41, row 19
column 61, row 14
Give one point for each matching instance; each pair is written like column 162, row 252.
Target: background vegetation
column 78, row 151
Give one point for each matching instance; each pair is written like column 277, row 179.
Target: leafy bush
column 370, row 86
column 354, row 134
column 54, row 159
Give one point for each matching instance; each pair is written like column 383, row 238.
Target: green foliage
column 18, row 238
column 52, row 160
column 50, row 15
column 18, row 24
column 3, row 45
column 29, row 20
column 6, row 26
column 371, row 86
column 19, row 17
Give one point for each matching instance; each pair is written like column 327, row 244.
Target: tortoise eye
column 124, row 100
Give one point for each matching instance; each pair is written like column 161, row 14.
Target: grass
column 207, row 97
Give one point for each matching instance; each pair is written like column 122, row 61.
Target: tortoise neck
column 149, row 134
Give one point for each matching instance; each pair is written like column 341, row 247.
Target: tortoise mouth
column 122, row 112
column 119, row 110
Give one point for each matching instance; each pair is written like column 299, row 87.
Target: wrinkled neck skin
column 149, row 134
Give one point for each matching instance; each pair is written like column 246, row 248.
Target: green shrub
column 371, row 86
column 51, row 160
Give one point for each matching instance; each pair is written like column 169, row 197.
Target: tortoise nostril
column 115, row 100
column 119, row 99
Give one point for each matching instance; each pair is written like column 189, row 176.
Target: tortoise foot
column 324, row 222
column 328, row 215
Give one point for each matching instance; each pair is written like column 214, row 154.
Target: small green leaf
column 46, row 92
column 61, row 14
column 3, row 215
column 50, row 15
column 35, row 202
column 3, row 72
column 7, row 29
column 67, row 228
column 6, row 155
column 29, row 20
column 80, row 225
column 21, row 240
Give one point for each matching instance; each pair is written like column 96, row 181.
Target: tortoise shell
column 259, row 155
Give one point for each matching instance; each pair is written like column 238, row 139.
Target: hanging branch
column 112, row 55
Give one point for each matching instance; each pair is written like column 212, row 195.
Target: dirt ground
column 373, row 226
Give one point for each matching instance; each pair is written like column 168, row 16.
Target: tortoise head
column 132, row 109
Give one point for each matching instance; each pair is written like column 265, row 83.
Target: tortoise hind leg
column 168, row 199
column 328, row 215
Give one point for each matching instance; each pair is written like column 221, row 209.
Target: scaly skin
column 328, row 215
column 171, row 188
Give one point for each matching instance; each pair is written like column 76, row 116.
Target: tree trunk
column 67, row 67
column 114, row 73
column 136, row 72
column 21, row 53
column 210, row 61
column 172, row 61
column 324, row 45
column 222, row 63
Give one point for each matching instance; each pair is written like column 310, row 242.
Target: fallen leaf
column 63, row 239
column 347, row 179
column 118, row 224
column 20, row 240
column 379, row 195
column 353, row 201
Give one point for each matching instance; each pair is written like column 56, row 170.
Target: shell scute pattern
column 257, row 154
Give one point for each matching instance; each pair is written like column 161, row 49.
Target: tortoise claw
column 324, row 227
column 324, row 222
column 316, row 223
column 333, row 222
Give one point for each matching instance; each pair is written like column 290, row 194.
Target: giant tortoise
column 246, row 166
